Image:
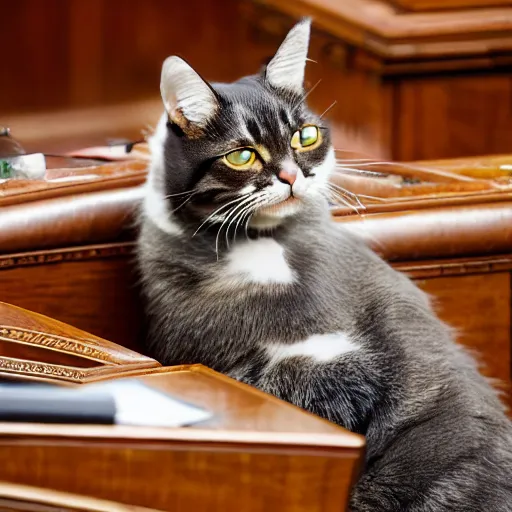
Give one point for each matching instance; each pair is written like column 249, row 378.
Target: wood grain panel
column 454, row 116
column 201, row 480
column 479, row 307
column 140, row 35
column 71, row 53
column 98, row 296
column 34, row 74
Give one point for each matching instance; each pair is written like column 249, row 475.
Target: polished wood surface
column 102, row 52
column 91, row 288
column 255, row 452
column 453, row 116
column 187, row 475
column 399, row 35
column 478, row 307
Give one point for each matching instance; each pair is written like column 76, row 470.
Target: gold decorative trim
column 66, row 255
column 30, row 368
column 60, row 344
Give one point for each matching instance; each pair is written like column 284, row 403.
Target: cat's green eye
column 306, row 138
column 241, row 158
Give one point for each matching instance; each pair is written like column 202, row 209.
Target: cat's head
column 249, row 151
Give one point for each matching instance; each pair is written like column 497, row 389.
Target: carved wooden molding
column 397, row 36
column 37, row 347
column 438, row 5
column 89, row 349
column 25, row 368
column 455, row 267
column 17, row 367
column 66, row 255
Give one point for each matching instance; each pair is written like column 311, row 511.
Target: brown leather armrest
column 445, row 209
column 72, row 220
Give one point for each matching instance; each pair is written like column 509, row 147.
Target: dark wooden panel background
column 63, row 53
column 69, row 54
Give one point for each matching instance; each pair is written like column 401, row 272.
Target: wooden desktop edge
column 343, row 440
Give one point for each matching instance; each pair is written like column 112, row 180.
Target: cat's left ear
column 189, row 100
column 286, row 69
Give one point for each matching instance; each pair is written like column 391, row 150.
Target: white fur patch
column 259, row 261
column 323, row 171
column 319, row 347
column 156, row 144
column 156, row 210
column 248, row 189
column 155, row 206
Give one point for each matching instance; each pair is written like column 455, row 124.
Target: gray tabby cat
column 244, row 271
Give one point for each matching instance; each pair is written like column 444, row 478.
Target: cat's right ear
column 189, row 101
column 286, row 69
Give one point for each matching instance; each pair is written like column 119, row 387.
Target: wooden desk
column 257, row 453
column 66, row 249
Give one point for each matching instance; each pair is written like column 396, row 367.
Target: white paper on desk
column 141, row 405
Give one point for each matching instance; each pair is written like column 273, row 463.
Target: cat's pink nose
column 288, row 176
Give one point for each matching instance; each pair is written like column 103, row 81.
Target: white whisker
column 247, row 209
column 349, row 194
column 352, row 161
column 364, row 163
column 328, row 108
column 250, row 209
column 179, row 194
column 340, row 197
column 183, row 204
column 218, row 210
column 303, row 99
column 228, row 216
column 231, row 213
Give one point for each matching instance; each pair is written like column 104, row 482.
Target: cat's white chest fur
column 260, row 261
column 319, row 347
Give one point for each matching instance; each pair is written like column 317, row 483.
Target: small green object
column 6, row 170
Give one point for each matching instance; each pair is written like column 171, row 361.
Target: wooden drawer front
column 96, row 295
column 455, row 116
column 479, row 307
